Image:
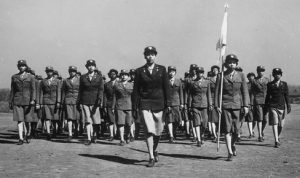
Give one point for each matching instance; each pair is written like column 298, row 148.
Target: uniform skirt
column 231, row 121
column 153, row 121
column 276, row 116
column 91, row 114
column 173, row 115
column 184, row 115
column 199, row 116
column 124, row 117
column 22, row 113
column 259, row 114
column 71, row 112
column 111, row 117
column 213, row 116
column 49, row 112
column 249, row 116
column 36, row 115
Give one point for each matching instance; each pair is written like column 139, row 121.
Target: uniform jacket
column 70, row 90
column 212, row 84
column 259, row 90
column 108, row 94
column 151, row 90
column 50, row 93
column 23, row 90
column 249, row 85
column 91, row 91
column 200, row 94
column 277, row 96
column 175, row 93
column 235, row 91
column 37, row 90
column 122, row 96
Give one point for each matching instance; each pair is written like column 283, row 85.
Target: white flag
column 221, row 44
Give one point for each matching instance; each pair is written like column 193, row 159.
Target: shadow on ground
column 184, row 156
column 114, row 158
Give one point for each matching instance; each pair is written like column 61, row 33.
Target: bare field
column 56, row 158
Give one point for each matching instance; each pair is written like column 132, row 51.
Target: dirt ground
column 56, row 158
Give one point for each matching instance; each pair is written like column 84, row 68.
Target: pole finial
column 226, row 6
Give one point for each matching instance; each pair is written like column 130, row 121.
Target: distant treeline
column 4, row 97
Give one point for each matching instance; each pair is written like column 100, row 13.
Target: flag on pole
column 221, row 44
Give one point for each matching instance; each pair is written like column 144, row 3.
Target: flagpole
column 222, row 47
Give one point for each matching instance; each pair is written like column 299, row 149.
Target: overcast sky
column 115, row 33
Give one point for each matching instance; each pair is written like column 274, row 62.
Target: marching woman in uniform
column 151, row 96
column 122, row 105
column 22, row 99
column 90, row 99
column 173, row 115
column 199, row 102
column 249, row 116
column 108, row 102
column 69, row 98
column 277, row 100
column 213, row 113
column 50, row 97
column 235, row 96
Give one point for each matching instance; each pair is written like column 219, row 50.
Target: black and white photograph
column 149, row 88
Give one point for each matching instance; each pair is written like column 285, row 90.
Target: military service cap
column 73, row 68
column 55, row 72
column 277, row 71
column 22, row 63
column 49, row 68
column 171, row 68
column 260, row 68
column 132, row 71
column 150, row 49
column 90, row 62
column 123, row 71
column 230, row 57
column 200, row 69
column 193, row 67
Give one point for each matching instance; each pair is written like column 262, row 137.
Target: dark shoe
column 277, row 144
column 253, row 134
column 238, row 139
column 132, row 139
column 199, row 144
column 27, row 139
column 122, row 143
column 94, row 140
column 76, row 135
column 20, row 142
column 156, row 159
column 151, row 163
column 69, row 139
column 127, row 141
column 111, row 139
column 54, row 135
column 230, row 157
column 260, row 139
column 48, row 137
column 194, row 139
column 171, row 140
column 188, row 136
column 250, row 136
column 234, row 150
column 89, row 142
